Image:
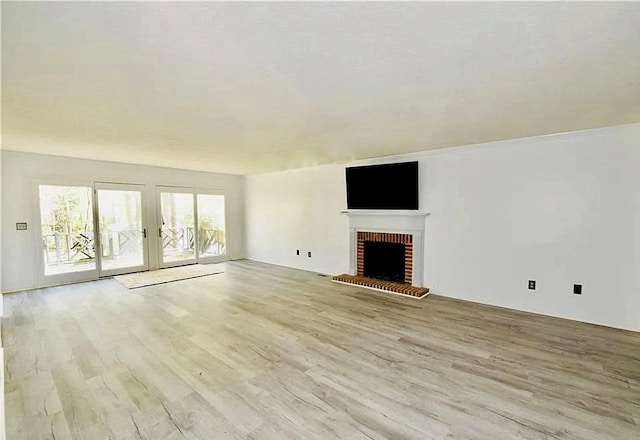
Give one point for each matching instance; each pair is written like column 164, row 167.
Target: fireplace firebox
column 384, row 261
column 385, row 257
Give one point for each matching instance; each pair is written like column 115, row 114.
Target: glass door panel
column 211, row 226
column 122, row 226
column 177, row 228
column 66, row 223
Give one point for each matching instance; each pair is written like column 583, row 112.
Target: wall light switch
column 532, row 285
column 21, row 226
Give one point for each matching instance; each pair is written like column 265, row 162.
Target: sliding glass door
column 191, row 226
column 87, row 230
column 123, row 229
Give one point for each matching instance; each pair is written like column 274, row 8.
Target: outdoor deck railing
column 67, row 248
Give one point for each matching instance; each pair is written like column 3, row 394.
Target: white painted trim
column 383, row 212
column 394, row 221
column 132, row 187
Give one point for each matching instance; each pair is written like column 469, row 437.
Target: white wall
column 299, row 209
column 2, row 412
column 559, row 209
column 1, row 302
column 20, row 170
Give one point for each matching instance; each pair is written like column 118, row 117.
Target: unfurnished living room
column 320, row 220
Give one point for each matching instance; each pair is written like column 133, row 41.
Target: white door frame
column 179, row 190
column 63, row 278
column 142, row 189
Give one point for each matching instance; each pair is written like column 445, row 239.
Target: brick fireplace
column 386, row 251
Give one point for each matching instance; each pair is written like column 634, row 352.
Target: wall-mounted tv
column 387, row 186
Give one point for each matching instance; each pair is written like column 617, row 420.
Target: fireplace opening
column 384, row 261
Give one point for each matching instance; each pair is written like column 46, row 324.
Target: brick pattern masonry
column 405, row 289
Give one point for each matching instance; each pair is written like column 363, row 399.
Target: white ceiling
column 253, row 87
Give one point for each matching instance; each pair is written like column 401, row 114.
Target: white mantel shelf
column 384, row 212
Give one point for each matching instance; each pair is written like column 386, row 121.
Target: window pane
column 177, row 226
column 211, row 227
column 66, row 216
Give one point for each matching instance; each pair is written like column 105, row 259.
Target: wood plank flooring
column 264, row 352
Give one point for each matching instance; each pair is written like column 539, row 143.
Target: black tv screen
column 387, row 186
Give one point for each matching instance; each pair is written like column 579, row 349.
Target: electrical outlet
column 297, row 251
column 532, row 285
column 577, row 289
column 309, row 254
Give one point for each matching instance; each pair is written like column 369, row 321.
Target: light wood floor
column 264, row 352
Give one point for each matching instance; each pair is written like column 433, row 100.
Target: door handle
column 144, row 233
column 160, row 232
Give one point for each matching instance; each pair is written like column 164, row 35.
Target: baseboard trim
column 538, row 313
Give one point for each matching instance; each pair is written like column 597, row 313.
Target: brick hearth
column 402, row 288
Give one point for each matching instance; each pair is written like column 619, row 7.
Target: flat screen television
column 387, row 186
